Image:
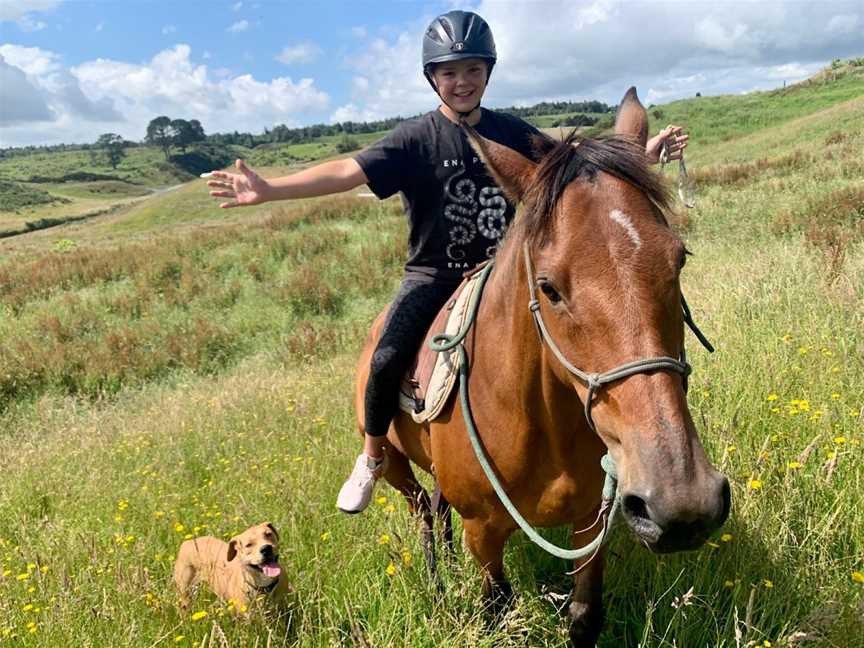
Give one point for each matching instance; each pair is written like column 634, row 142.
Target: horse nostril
column 639, row 518
column 635, row 507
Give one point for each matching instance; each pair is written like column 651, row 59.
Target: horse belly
column 412, row 440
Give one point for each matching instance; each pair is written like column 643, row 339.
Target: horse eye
column 549, row 291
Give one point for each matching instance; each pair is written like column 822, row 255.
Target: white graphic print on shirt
column 461, row 208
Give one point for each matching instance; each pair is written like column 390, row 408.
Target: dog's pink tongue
column 272, row 570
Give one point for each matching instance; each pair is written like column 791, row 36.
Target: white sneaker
column 356, row 493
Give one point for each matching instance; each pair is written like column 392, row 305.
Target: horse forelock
column 577, row 158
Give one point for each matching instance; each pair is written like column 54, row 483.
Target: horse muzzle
column 668, row 524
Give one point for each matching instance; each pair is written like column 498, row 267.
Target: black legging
column 411, row 313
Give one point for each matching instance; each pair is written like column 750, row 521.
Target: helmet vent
column 448, row 27
column 434, row 35
column 458, row 47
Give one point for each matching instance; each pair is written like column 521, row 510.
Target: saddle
column 427, row 385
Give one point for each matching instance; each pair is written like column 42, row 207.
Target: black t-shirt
column 456, row 213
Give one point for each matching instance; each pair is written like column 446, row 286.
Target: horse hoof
column 499, row 597
column 585, row 624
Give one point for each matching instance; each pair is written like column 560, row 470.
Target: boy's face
column 461, row 83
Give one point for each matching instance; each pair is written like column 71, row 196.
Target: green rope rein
column 611, row 501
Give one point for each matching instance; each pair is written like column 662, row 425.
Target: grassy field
column 173, row 370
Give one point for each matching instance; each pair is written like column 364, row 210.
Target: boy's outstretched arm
column 248, row 188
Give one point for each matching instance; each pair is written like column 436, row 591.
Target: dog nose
column 267, row 550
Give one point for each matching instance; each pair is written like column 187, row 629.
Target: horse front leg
column 585, row 612
column 486, row 542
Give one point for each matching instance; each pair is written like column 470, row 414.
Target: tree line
column 166, row 133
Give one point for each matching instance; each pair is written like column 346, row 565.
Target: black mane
column 562, row 162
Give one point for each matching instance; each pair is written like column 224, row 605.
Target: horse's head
column 606, row 267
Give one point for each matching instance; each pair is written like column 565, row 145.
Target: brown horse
column 607, row 268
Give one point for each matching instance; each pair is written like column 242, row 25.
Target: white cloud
column 239, row 26
column 845, row 24
column 300, row 53
column 58, row 104
column 17, row 9
column 30, row 24
column 25, row 102
column 353, row 113
column 32, row 60
column 596, row 49
column 169, row 29
column 40, row 89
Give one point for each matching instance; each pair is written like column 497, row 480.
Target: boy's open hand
column 246, row 188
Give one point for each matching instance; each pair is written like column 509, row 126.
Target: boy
column 456, row 213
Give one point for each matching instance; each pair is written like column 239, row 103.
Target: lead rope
column 686, row 188
column 610, row 501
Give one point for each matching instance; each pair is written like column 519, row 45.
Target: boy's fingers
column 223, row 194
column 241, row 166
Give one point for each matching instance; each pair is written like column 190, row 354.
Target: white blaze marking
column 624, row 221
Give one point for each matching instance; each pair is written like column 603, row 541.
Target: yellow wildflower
column 755, row 484
column 726, row 537
column 768, row 584
column 857, row 577
column 325, row 536
column 179, row 638
column 728, row 584
column 772, row 397
column 391, row 569
column 793, row 465
column 840, row 440
column 384, row 539
column 199, row 615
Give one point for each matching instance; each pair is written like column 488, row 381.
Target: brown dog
column 239, row 570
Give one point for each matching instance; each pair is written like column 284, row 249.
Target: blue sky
column 73, row 69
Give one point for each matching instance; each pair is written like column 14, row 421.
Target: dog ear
column 272, row 528
column 232, row 549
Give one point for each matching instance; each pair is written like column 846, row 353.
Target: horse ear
column 632, row 120
column 511, row 170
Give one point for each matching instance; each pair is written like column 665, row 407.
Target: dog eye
column 248, row 545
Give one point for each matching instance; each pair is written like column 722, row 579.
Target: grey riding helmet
column 454, row 36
